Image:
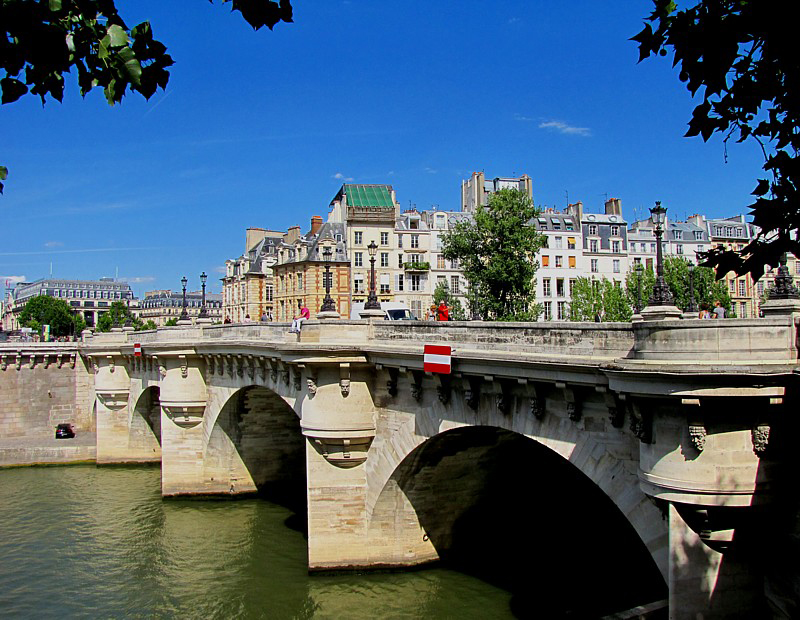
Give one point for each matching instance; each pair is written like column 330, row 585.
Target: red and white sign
column 137, row 350
column 437, row 359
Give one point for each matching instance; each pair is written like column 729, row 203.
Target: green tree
column 173, row 322
column 707, row 289
column 79, row 324
column 599, row 299
column 44, row 310
column 442, row 292
column 119, row 314
column 739, row 55
column 497, row 249
column 149, row 324
column 44, row 39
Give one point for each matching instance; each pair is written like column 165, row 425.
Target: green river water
column 88, row 542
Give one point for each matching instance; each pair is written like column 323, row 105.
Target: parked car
column 65, row 431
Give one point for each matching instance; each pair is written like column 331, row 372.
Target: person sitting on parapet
column 297, row 322
column 719, row 311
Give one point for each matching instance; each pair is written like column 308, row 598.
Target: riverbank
column 22, row 451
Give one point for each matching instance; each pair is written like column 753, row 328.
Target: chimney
column 292, row 234
column 613, row 206
column 576, row 210
column 316, row 224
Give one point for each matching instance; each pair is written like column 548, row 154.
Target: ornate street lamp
column 372, row 298
column 692, row 307
column 661, row 295
column 203, row 311
column 184, row 314
column 327, row 304
column 784, row 288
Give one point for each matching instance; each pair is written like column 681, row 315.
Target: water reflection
column 86, row 542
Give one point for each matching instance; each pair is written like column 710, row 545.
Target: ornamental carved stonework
column 537, row 408
column 416, row 392
column 503, row 403
column 617, row 416
column 573, row 411
column 311, row 384
column 697, row 433
column 760, row 436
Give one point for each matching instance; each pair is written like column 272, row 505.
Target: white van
column 392, row 311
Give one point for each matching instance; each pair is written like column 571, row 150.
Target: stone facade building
column 89, row 298
column 248, row 288
column 476, row 190
column 733, row 233
column 605, row 240
column 561, row 262
column 161, row 306
column 299, row 272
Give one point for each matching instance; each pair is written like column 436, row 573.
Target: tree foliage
column 601, row 300
column 44, row 39
column 496, row 250
column 44, row 310
column 739, row 55
column 707, row 289
column 118, row 315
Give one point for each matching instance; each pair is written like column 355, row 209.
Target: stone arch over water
column 506, row 508
column 255, row 445
column 147, row 415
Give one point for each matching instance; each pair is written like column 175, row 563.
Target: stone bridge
column 645, row 457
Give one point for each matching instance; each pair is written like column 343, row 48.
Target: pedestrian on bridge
column 297, row 322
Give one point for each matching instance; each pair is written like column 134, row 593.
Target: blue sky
column 262, row 128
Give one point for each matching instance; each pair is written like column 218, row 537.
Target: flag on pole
column 437, row 359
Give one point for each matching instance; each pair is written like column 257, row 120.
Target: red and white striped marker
column 137, row 350
column 437, row 359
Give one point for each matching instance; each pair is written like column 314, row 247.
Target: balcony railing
column 416, row 266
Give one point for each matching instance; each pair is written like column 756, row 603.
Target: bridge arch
column 146, row 417
column 537, row 521
column 254, row 445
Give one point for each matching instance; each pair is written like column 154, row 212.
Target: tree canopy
column 496, row 250
column 44, row 310
column 707, row 289
column 739, row 55
column 599, row 300
column 118, row 314
column 44, row 39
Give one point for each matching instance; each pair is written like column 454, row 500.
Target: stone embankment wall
column 41, row 386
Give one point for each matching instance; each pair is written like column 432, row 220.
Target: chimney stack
column 613, row 206
column 316, row 224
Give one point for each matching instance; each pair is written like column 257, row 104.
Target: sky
column 260, row 129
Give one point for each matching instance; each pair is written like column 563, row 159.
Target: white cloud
column 514, row 20
column 53, row 244
column 430, row 170
column 220, row 269
column 341, row 177
column 520, row 117
column 137, row 279
column 565, row 128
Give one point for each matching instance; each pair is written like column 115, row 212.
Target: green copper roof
column 369, row 195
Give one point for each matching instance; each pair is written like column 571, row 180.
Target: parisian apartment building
column 89, row 298
column 366, row 227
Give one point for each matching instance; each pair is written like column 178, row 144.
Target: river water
column 88, row 542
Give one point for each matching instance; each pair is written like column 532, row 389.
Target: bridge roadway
column 677, row 427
